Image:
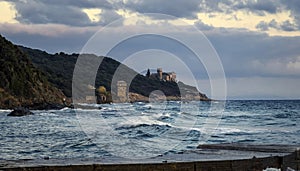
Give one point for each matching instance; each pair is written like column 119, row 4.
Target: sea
column 145, row 130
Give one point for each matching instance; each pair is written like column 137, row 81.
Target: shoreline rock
column 20, row 111
column 134, row 97
column 46, row 106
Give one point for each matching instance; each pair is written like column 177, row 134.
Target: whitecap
column 65, row 108
column 47, row 114
column 272, row 169
column 5, row 110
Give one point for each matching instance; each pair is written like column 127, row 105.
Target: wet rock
column 20, row 111
column 45, row 106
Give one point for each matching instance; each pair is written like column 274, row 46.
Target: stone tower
column 122, row 91
column 159, row 73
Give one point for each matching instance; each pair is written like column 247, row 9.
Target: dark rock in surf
column 20, row 111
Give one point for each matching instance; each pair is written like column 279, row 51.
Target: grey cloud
column 294, row 7
column 259, row 6
column 74, row 3
column 285, row 26
column 39, row 13
column 69, row 12
column 108, row 16
column 62, row 12
column 82, row 3
column 229, row 6
column 211, row 6
column 177, row 8
column 240, row 51
column 202, row 26
column 288, row 26
column 263, row 26
column 273, row 23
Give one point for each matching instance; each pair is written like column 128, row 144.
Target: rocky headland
column 35, row 79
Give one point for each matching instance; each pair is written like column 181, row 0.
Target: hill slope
column 22, row 84
column 59, row 69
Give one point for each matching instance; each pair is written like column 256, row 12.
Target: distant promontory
column 39, row 80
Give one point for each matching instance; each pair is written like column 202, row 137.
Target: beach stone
column 20, row 111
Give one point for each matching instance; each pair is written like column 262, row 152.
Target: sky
column 257, row 41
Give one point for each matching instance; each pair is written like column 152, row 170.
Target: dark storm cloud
column 62, row 12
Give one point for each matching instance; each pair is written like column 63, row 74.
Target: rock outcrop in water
column 20, row 111
column 22, row 84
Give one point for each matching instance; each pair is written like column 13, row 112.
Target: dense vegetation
column 59, row 69
column 22, row 83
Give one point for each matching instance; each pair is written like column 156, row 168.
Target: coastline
column 132, row 98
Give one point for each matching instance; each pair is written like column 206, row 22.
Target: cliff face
column 21, row 83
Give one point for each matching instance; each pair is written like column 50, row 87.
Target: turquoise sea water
column 141, row 130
